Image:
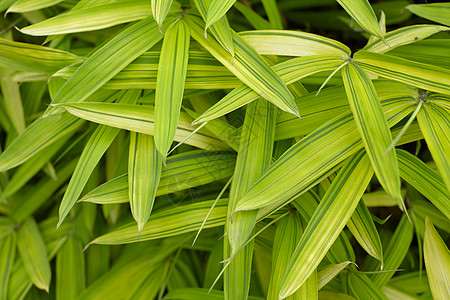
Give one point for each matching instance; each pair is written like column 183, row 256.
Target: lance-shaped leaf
column 248, row 66
column 220, row 29
column 296, row 43
column 36, row 136
column 423, row 76
column 160, row 9
column 425, row 180
column 363, row 229
column 437, row 12
column 328, row 220
column 434, row 123
column 198, row 293
column 254, row 156
column 29, row 57
column 437, row 262
column 135, row 118
column 403, row 36
column 362, row 13
column 362, row 287
column 170, row 222
column 95, row 147
column 253, row 17
column 12, row 101
column 182, row 171
column 316, row 154
column 144, row 173
column 70, row 269
column 7, row 256
column 217, row 10
column 326, row 275
column 108, row 61
column 21, row 6
column 289, row 71
column 271, row 9
column 170, row 84
column 33, row 253
column 373, row 128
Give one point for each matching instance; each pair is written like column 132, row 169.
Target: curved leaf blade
column 437, row 12
column 160, row 9
column 217, row 10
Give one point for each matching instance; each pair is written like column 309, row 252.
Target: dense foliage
column 220, row 149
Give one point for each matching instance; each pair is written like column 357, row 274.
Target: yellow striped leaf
column 170, row 85
column 144, row 173
column 329, row 219
column 22, row 6
column 437, row 262
column 160, row 9
column 421, row 75
column 7, row 256
column 248, row 66
column 326, row 275
column 437, row 12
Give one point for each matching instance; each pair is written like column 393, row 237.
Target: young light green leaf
column 217, row 10
column 373, row 128
column 108, row 61
column 362, row 13
column 423, row 76
column 33, row 253
column 135, row 118
column 7, row 256
column 170, row 85
column 22, row 6
column 144, row 173
column 435, row 125
column 267, row 42
column 70, row 269
column 29, row 57
column 198, row 293
column 326, row 275
column 37, row 136
column 160, row 9
column 12, row 101
column 404, row 36
column 437, row 262
column 328, row 220
column 248, row 66
column 437, row 12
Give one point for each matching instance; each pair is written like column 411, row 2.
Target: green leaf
column 183, row 171
column 326, row 275
column 404, row 36
column 248, row 66
column 362, row 13
column 144, row 173
column 198, row 293
column 435, row 125
column 437, row 12
column 423, row 76
column 289, row 71
column 12, row 101
column 33, row 253
column 33, row 58
column 37, row 136
column 108, row 61
column 362, row 287
column 70, row 270
column 22, row 6
column 217, row 10
column 160, row 9
column 373, row 128
column 135, row 118
column 170, row 85
column 252, row 17
column 267, row 42
column 437, row 262
column 329, row 219
column 170, row 222
column 7, row 255
column 271, row 9
column 425, row 180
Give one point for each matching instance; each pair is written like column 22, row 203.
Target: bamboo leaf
column 108, row 61
column 33, row 253
column 437, row 12
column 373, row 127
column 435, row 125
column 144, row 173
column 271, row 8
column 134, row 118
column 12, row 101
column 423, row 76
column 22, row 6
column 160, row 9
column 425, row 180
column 362, row 287
column 7, row 256
column 183, row 171
column 198, row 293
column 437, row 262
column 328, row 220
column 252, row 17
column 326, row 275
column 217, row 10
column 170, row 85
column 267, row 42
column 248, row 66
column 70, row 270
column 362, row 13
